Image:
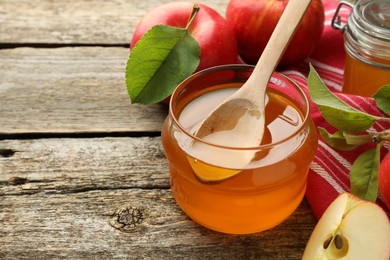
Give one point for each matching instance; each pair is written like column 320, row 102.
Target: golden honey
column 267, row 190
column 363, row 79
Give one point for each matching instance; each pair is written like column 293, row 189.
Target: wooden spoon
column 239, row 120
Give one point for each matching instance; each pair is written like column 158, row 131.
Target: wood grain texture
column 76, row 21
column 66, row 165
column 65, row 198
column 72, row 196
column 77, row 226
column 70, row 90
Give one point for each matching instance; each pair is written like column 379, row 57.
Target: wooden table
column 82, row 171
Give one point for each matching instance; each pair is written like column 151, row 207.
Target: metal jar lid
column 367, row 31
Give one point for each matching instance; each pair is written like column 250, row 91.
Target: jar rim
column 367, row 34
column 182, row 85
column 373, row 17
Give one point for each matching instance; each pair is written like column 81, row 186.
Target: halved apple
column 350, row 228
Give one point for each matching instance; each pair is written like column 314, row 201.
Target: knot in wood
column 127, row 218
column 6, row 153
column 17, row 181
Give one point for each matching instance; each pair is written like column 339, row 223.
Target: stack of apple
column 244, row 32
column 239, row 38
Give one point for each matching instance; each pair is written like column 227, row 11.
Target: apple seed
column 338, row 241
column 327, row 242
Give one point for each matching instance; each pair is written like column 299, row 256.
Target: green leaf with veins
column 160, row 60
column 382, row 98
column 364, row 174
column 335, row 111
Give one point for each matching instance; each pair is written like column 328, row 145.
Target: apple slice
column 350, row 228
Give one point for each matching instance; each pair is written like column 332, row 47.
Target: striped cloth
column 329, row 172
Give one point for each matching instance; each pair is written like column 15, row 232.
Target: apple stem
column 195, row 10
column 382, row 136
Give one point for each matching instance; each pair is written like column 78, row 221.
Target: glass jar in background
column 367, row 46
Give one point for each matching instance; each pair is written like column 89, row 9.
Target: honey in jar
column 256, row 196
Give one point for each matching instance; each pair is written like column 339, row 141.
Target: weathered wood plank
column 74, row 165
column 60, row 198
column 76, row 21
column 77, row 226
column 70, row 90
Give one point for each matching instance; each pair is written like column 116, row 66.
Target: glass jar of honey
column 367, row 45
column 253, row 197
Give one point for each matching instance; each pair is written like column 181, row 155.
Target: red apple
column 384, row 179
column 349, row 229
column 216, row 38
column 254, row 21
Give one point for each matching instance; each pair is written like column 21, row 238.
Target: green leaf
column 160, row 60
column 334, row 110
column 364, row 174
column 336, row 140
column 357, row 140
column 382, row 98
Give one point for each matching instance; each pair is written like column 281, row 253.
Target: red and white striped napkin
column 329, row 172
